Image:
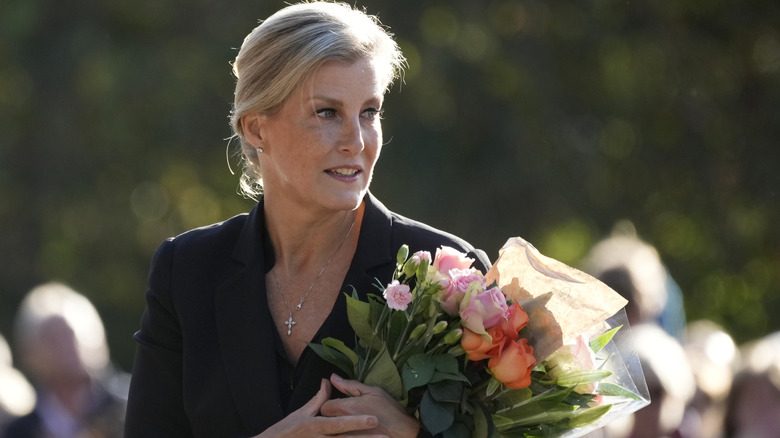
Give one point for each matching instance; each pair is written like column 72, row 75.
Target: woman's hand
column 373, row 401
column 306, row 422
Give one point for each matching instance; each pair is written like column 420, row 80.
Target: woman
column 222, row 348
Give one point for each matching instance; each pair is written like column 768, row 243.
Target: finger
column 312, row 407
column 350, row 387
column 345, row 424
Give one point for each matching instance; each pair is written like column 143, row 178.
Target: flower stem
column 409, row 319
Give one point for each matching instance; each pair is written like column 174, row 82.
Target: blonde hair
column 285, row 51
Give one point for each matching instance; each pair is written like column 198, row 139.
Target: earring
column 259, row 151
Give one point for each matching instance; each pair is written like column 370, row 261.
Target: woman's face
column 320, row 149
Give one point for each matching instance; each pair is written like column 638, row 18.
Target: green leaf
column 447, row 369
column 458, row 430
column 439, row 376
column 611, row 389
column 339, row 345
column 435, row 416
column 446, row 363
column 335, row 357
column 384, row 374
column 418, row 371
column 507, row 421
column 378, row 307
column 481, row 428
column 549, row 401
column 583, row 377
column 493, row 385
column 512, row 397
column 358, row 313
column 446, row 391
column 598, row 343
column 587, row 416
column 396, row 327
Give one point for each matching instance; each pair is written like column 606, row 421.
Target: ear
column 252, row 125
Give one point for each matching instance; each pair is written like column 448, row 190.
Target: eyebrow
column 335, row 101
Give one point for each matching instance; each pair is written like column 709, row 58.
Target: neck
column 304, row 243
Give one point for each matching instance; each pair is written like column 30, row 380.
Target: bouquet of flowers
column 530, row 349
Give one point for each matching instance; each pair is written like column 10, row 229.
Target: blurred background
column 552, row 120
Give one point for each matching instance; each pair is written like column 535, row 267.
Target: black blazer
column 207, row 360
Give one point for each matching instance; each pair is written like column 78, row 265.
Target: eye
column 372, row 113
column 326, row 113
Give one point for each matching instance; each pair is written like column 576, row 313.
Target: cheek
column 376, row 145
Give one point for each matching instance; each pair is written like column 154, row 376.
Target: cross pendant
column 289, row 323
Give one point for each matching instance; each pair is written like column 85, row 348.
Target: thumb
column 312, row 407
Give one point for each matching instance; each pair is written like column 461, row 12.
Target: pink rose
column 397, row 295
column 484, row 310
column 460, row 279
column 448, row 258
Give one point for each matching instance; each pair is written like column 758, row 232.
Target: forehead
column 358, row 79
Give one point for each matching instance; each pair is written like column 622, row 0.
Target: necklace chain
column 290, row 321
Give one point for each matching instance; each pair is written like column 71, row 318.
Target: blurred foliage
column 550, row 120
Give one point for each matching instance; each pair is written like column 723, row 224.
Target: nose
column 352, row 139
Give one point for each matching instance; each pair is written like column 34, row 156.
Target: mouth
column 343, row 171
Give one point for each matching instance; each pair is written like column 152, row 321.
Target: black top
column 210, row 361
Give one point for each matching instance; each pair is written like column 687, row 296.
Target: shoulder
column 213, row 235
column 424, row 237
column 421, row 236
column 211, row 241
column 202, row 256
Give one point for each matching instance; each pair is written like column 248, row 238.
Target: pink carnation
column 397, row 295
column 420, row 256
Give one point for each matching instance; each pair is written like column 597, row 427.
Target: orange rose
column 516, row 321
column 481, row 347
column 513, row 366
column 487, row 346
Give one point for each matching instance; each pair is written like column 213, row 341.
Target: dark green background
column 549, row 120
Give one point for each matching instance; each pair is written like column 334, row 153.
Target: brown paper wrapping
column 562, row 302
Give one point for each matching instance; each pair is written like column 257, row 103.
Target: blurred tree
column 550, row 120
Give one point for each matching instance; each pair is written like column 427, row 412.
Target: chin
column 348, row 201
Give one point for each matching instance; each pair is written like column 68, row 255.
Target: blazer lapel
column 375, row 244
column 245, row 331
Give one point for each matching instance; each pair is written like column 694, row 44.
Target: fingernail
column 336, row 377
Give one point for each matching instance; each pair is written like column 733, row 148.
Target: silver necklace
column 290, row 321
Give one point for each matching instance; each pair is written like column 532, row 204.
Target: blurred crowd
column 60, row 382
column 701, row 383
